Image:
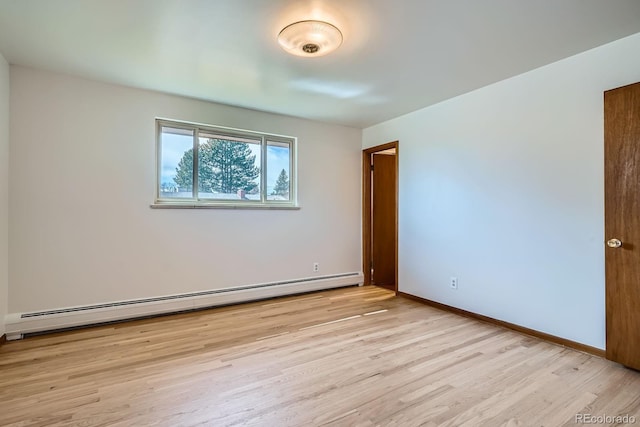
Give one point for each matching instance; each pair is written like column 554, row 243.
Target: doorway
column 380, row 215
column 622, row 223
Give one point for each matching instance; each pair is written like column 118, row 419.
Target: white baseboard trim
column 19, row 324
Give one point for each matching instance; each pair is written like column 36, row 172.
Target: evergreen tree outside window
column 282, row 185
column 210, row 166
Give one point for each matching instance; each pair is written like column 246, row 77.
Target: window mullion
column 158, row 159
column 263, row 170
column 196, row 149
column 292, row 172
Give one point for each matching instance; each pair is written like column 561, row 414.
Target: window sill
column 164, row 205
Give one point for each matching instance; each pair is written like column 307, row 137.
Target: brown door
column 383, row 220
column 622, row 223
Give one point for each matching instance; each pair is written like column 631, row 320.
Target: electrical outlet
column 453, row 283
column 316, row 267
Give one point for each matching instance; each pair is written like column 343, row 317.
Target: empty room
column 319, row 212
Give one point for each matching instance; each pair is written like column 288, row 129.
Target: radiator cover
column 19, row 324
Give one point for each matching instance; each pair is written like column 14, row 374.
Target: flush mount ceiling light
column 310, row 38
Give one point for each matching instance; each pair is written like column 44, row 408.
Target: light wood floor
column 355, row 356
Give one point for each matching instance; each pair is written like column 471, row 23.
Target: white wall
column 4, row 189
column 83, row 177
column 503, row 188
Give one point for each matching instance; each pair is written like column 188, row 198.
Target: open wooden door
column 622, row 224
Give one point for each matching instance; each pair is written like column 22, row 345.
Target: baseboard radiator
column 19, row 324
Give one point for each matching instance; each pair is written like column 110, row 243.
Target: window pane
column 228, row 168
column 176, row 163
column 278, row 173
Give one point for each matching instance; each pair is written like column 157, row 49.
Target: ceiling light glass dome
column 310, row 38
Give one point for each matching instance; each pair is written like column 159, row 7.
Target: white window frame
column 196, row 202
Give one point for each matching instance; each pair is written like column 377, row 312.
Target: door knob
column 614, row 243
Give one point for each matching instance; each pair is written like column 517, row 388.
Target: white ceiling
column 397, row 55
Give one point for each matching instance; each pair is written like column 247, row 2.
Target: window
column 208, row 166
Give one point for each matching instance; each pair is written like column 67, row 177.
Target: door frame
column 366, row 208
